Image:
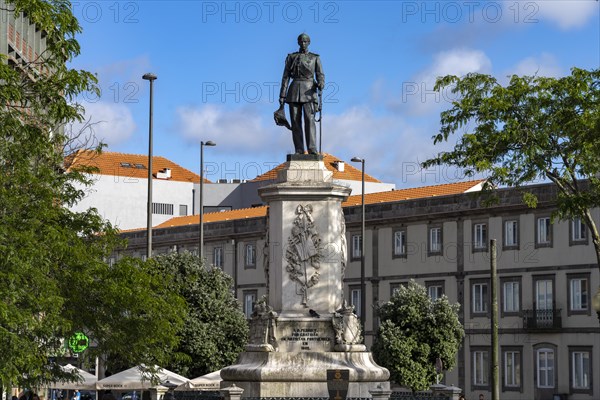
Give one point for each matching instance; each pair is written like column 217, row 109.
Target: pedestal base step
column 303, row 374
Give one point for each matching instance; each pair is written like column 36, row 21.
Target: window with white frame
column 580, row 370
column 481, row 367
column 510, row 296
column 435, row 239
column 400, row 243
column 218, row 256
column 512, row 368
column 355, row 299
column 435, row 290
column 480, row 236
column 356, row 246
column 578, row 230
column 545, row 367
column 249, row 300
column 544, row 231
column 578, row 294
column 250, row 255
column 544, row 294
column 479, row 297
column 511, row 233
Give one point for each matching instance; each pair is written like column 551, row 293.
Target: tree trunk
column 589, row 221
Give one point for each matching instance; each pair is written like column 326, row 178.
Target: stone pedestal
column 304, row 374
column 304, row 327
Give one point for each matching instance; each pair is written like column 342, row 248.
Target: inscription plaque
column 309, row 338
column 305, row 336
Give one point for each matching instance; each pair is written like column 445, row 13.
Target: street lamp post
column 363, row 306
column 201, row 242
column 149, row 77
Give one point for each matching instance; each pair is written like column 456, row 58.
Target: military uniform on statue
column 306, row 72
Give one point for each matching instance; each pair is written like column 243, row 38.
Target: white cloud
column 568, row 14
column 239, row 129
column 417, row 95
column 359, row 129
column 111, row 123
column 391, row 147
column 458, row 62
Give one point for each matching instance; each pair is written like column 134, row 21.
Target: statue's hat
column 280, row 118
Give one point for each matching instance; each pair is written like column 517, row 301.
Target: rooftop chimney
column 164, row 173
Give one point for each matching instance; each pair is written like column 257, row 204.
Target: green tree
column 215, row 330
column 53, row 278
column 533, row 128
column 130, row 310
column 416, row 330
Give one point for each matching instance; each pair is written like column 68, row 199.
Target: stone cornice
column 452, row 207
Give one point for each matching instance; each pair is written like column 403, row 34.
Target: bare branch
column 81, row 140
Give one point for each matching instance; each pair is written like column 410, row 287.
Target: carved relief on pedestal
column 348, row 332
column 303, row 253
column 263, row 322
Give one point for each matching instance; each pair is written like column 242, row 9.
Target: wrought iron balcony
column 542, row 319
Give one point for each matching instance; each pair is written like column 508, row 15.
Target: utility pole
column 494, row 279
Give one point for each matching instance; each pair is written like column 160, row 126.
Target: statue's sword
column 320, row 111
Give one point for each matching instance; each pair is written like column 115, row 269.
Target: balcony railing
column 542, row 319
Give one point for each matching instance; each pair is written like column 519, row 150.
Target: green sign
column 78, row 342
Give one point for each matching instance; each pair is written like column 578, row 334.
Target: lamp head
column 210, row 143
column 357, row 159
column 149, row 76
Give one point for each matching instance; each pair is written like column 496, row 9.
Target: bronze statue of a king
column 307, row 79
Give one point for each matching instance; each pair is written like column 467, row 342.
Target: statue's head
column 303, row 38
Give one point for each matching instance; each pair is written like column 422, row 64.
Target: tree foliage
column 130, row 310
column 534, row 127
column 54, row 280
column 414, row 332
column 215, row 330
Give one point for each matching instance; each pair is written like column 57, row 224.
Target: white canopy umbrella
column 88, row 383
column 211, row 381
column 137, row 379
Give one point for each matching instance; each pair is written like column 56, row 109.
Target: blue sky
column 219, row 66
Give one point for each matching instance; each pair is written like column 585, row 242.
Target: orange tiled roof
column 241, row 213
column 412, row 193
column 130, row 165
column 371, row 198
column 350, row 173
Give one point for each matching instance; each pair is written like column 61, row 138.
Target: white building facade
column 120, row 188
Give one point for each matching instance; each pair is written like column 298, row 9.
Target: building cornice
column 439, row 208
